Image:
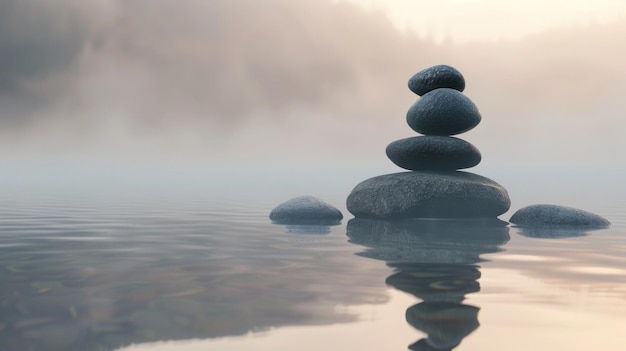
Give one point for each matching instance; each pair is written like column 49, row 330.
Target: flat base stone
column 306, row 210
column 543, row 215
column 428, row 194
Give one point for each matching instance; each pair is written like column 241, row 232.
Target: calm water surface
column 152, row 273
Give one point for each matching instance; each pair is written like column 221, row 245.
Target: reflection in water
column 307, row 229
column 554, row 232
column 99, row 275
column 446, row 324
column 434, row 260
column 435, row 282
column 308, row 226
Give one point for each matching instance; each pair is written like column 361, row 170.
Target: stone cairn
column 434, row 188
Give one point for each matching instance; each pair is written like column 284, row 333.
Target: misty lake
column 155, row 272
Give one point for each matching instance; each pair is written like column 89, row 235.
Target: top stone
column 435, row 77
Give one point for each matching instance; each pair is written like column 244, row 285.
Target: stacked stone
column 434, row 188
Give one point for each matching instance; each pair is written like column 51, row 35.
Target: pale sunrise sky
column 292, row 84
column 478, row 20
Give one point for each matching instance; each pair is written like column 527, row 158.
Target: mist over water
column 143, row 144
column 130, row 87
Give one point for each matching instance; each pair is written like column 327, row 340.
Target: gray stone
column 305, row 210
column 443, row 112
column 433, row 153
column 428, row 194
column 435, row 77
column 555, row 215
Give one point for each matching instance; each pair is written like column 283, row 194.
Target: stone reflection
column 554, row 232
column 434, row 260
column 307, row 229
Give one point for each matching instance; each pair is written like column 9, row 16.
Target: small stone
column 555, row 215
column 433, row 153
column 428, row 194
column 443, row 112
column 435, row 77
column 305, row 210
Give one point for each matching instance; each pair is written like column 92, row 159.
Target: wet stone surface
column 544, row 215
column 428, row 194
column 443, row 112
column 433, row 153
column 305, row 210
column 440, row 76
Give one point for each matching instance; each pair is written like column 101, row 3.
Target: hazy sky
column 284, row 83
column 490, row 20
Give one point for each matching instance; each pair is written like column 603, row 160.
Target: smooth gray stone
column 435, row 77
column 433, row 153
column 305, row 210
column 443, row 112
column 428, row 194
column 555, row 215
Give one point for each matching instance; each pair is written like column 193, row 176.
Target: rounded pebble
column 435, row 77
column 555, row 215
column 443, row 112
column 305, row 210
